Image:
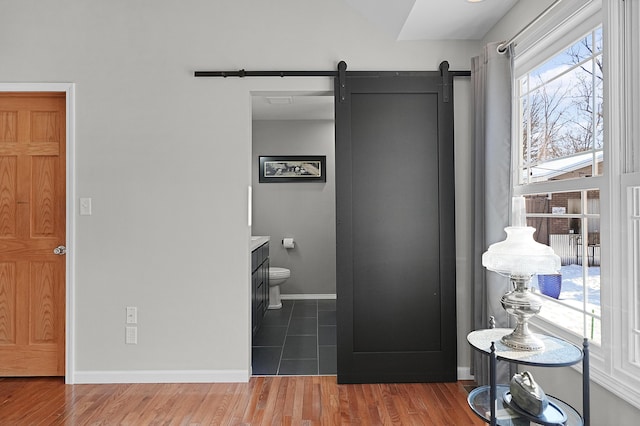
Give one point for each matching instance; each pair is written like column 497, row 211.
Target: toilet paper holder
column 288, row 243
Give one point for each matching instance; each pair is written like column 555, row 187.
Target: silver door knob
column 60, row 250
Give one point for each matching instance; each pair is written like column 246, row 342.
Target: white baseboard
column 464, row 373
column 307, row 296
column 183, row 376
column 161, row 376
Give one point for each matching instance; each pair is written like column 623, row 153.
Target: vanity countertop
column 257, row 241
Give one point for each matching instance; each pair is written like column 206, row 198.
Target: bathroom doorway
column 299, row 338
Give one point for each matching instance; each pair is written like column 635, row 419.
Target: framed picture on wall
column 293, row 168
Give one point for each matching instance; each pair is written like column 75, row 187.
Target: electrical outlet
column 132, row 315
column 132, row 336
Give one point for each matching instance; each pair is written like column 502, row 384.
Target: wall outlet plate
column 131, row 336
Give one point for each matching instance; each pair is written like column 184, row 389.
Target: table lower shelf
column 479, row 401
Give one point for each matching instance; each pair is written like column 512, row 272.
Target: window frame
column 611, row 363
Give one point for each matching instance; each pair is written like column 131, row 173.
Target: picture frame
column 292, row 168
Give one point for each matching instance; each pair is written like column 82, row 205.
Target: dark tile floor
column 299, row 339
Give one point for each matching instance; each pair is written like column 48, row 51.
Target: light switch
column 132, row 315
column 85, row 206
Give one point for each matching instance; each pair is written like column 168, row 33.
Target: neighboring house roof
column 558, row 168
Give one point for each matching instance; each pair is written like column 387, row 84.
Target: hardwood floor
column 275, row 400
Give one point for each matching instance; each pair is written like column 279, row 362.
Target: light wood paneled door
column 32, row 225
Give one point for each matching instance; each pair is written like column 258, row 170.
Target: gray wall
column 606, row 407
column 166, row 158
column 304, row 211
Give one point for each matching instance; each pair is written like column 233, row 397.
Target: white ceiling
column 433, row 19
column 403, row 20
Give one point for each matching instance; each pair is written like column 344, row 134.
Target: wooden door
column 32, row 224
column 395, row 229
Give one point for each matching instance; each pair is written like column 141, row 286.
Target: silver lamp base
column 522, row 341
column 522, row 304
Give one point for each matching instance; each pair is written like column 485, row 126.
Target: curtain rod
column 502, row 47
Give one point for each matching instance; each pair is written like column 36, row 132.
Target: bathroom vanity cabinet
column 259, row 285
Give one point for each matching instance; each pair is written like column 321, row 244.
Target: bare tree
column 547, row 117
column 559, row 118
column 589, row 95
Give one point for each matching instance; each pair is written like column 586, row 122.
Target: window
column 576, row 159
column 561, row 126
column 561, row 139
column 569, row 222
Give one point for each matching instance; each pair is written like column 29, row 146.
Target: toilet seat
column 276, row 272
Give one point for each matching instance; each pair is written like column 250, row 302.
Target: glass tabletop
column 556, row 353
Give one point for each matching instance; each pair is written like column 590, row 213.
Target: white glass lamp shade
column 520, row 257
column 520, row 254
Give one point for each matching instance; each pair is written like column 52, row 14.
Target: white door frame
column 69, row 89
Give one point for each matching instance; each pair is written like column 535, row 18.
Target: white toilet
column 277, row 276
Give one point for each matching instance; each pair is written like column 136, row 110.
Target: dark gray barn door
column 395, row 229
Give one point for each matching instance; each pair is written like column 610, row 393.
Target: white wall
column 166, row 157
column 305, row 211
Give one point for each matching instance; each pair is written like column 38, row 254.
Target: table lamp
column 520, row 257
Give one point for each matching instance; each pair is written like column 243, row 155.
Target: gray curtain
column 491, row 82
